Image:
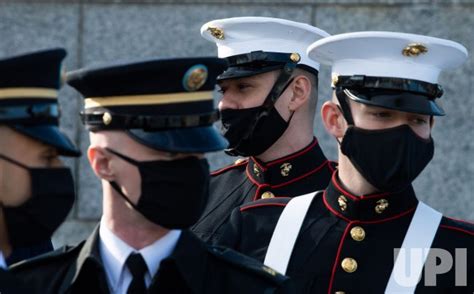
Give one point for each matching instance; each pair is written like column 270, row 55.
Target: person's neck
column 5, row 246
column 128, row 224
column 291, row 141
column 351, row 179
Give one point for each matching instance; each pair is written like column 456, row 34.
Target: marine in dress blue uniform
column 347, row 240
column 252, row 47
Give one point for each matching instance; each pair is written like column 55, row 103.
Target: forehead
column 263, row 77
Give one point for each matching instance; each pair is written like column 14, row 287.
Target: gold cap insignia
column 334, row 79
column 382, row 204
column 216, row 32
column 107, row 118
column 195, row 77
column 414, row 49
column 285, row 169
column 295, row 57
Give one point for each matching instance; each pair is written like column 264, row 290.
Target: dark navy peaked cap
column 165, row 104
column 29, row 85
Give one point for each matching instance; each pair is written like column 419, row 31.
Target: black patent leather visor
column 395, row 100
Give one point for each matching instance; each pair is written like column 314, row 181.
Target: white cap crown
column 388, row 54
column 241, row 35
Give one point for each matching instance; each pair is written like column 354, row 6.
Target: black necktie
column 137, row 266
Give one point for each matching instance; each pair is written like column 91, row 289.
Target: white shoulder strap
column 286, row 232
column 420, row 235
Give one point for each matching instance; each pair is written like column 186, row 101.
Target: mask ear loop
column 344, row 108
column 14, row 162
column 122, row 156
column 281, row 84
column 114, row 184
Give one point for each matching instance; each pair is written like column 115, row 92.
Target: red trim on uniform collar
column 265, row 165
column 338, row 185
column 368, row 208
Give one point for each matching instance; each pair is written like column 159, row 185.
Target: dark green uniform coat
column 193, row 267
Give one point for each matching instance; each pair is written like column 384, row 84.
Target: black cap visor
column 396, row 100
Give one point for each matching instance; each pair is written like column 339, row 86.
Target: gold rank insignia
column 195, row 78
column 414, row 49
column 342, row 201
column 107, row 118
column 382, row 204
column 216, row 32
column 256, row 170
column 285, row 169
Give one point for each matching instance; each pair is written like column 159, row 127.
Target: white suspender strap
column 420, row 235
column 286, row 232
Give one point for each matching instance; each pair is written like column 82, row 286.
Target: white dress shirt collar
column 114, row 252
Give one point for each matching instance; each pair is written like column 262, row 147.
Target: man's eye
column 381, row 114
column 420, row 121
column 243, row 86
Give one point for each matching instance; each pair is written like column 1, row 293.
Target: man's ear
column 301, row 87
column 99, row 160
column 333, row 119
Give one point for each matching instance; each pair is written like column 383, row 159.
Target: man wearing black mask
column 150, row 124
column 36, row 192
column 367, row 232
column 269, row 98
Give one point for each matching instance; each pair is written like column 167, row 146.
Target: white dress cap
column 242, row 35
column 388, row 54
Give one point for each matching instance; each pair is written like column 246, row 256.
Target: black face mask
column 389, row 159
column 251, row 131
column 52, row 197
column 174, row 192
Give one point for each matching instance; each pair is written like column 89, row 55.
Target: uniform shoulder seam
column 53, row 255
column 265, row 203
column 230, row 167
column 247, row 263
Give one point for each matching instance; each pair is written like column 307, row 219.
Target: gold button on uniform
column 267, row 195
column 349, row 265
column 357, row 233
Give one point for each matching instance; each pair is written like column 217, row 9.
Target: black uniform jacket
column 10, row 285
column 193, row 267
column 346, row 243
column 248, row 180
